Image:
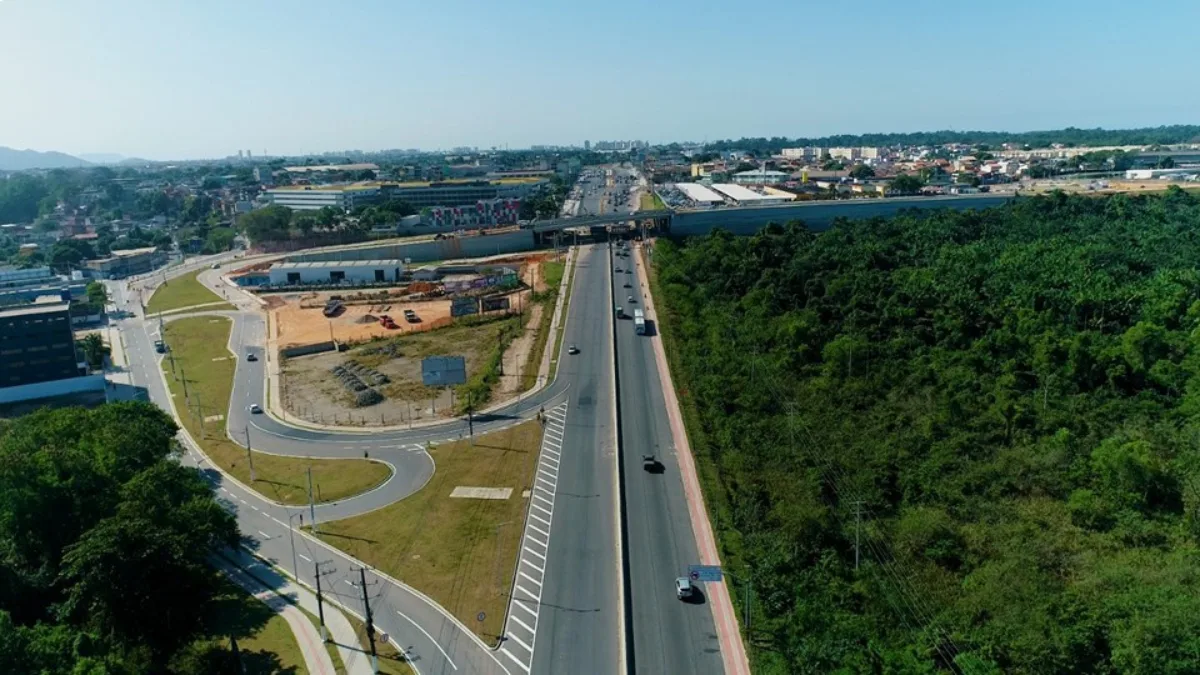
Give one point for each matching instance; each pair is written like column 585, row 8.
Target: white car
column 254, row 409
column 683, row 588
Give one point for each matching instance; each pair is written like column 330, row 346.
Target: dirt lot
column 299, row 326
column 313, row 392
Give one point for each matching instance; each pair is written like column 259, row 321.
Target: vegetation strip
column 198, row 352
column 460, row 552
column 180, row 292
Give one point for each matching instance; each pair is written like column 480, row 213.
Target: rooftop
column 325, row 264
column 741, row 194
column 698, row 193
column 130, row 252
column 761, row 172
column 29, row 310
column 375, row 185
column 331, row 167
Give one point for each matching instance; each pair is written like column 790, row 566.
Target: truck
column 639, row 322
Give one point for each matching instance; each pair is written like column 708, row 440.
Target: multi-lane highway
column 669, row 635
column 568, row 608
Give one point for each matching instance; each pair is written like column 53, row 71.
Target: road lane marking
column 529, row 550
column 531, row 579
column 521, row 642
column 516, row 660
column 264, row 534
column 539, row 569
column 306, row 558
column 526, row 626
column 426, row 634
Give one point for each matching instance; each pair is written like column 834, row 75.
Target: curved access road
column 435, row 641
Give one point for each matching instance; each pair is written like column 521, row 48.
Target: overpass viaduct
column 817, row 215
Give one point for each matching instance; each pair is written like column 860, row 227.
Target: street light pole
column 292, row 534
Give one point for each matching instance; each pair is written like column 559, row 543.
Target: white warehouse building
column 346, row 272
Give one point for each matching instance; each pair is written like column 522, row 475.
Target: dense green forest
column 1000, row 405
column 103, row 545
column 1072, row 136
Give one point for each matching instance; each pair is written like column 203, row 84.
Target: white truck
column 639, row 322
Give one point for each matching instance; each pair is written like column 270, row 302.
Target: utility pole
column 249, row 453
column 470, row 417
column 857, row 528
column 362, row 575
column 312, row 510
column 320, row 601
column 292, row 535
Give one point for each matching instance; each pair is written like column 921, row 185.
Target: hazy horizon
column 162, row 81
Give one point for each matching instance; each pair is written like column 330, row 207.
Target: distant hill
column 101, row 157
column 18, row 160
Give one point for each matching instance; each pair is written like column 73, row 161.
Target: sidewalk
column 733, row 650
column 341, row 631
column 316, row 659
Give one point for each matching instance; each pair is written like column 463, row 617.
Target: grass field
column 460, row 552
column 198, row 345
column 180, row 292
column 265, row 641
column 650, row 202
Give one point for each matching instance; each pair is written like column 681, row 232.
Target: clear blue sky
column 166, row 79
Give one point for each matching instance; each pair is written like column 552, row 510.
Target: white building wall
column 322, row 274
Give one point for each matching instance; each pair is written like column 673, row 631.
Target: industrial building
column 743, row 196
column 699, row 194
column 37, row 345
column 418, row 194
column 21, row 286
column 121, row 264
column 760, row 177
column 337, row 273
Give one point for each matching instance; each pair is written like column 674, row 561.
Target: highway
column 579, row 616
column 669, row 635
column 570, row 618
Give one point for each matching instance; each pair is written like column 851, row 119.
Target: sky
column 182, row 79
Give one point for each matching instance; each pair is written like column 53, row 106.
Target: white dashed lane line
column 523, row 609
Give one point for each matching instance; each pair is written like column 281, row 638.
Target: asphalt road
column 669, row 635
column 579, row 615
column 573, row 618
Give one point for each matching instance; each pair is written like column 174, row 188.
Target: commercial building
column 37, row 345
column 1151, row 174
column 745, row 197
column 482, row 214
column 337, row 273
column 21, row 286
column 699, row 194
column 760, row 177
column 121, row 264
column 418, row 194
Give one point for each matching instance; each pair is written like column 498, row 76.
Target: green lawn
column 265, row 642
column 651, row 202
column 180, row 292
column 198, row 345
column 460, row 552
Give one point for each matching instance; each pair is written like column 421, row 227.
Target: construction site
column 352, row 356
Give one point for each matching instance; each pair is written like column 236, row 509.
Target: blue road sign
column 704, row 572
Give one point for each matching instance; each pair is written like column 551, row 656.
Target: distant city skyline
column 166, row 81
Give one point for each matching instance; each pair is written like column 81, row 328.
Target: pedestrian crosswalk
column 524, row 606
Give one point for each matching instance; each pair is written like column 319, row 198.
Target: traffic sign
column 704, row 572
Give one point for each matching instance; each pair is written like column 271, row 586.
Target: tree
column 219, row 239
column 862, row 171
column 94, row 350
column 97, row 294
column 905, row 184
column 105, row 539
column 271, row 223
column 1167, row 162
column 67, row 254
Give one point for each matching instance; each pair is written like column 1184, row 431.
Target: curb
column 624, row 591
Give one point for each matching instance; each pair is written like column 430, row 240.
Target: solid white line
column 537, row 496
column 539, row 569
column 306, row 558
column 532, row 612
column 515, row 659
column 530, row 537
column 539, row 584
column 529, row 550
column 524, row 625
column 547, row 473
column 264, row 534
column 540, row 531
column 435, row 644
column 542, row 509
column 533, row 597
column 552, row 485
column 552, row 452
column 521, row 642
column 348, row 583
column 551, row 459
column 539, row 519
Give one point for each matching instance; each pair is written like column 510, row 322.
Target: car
column 617, row 269
column 254, row 409
column 251, row 357
column 628, row 285
column 628, row 271
column 620, row 312
column 650, row 464
column 572, row 349
column 632, row 301
column 216, row 266
column 683, row 588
